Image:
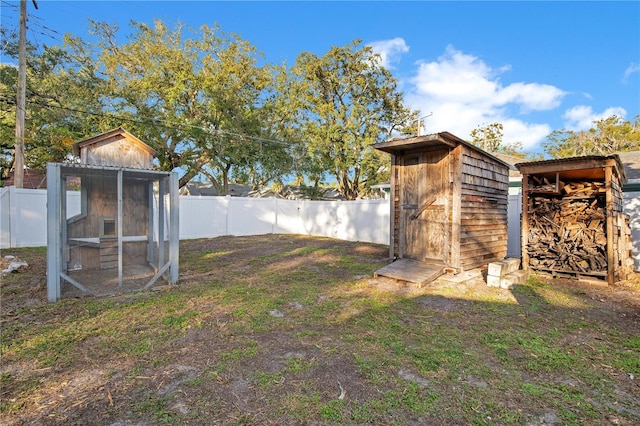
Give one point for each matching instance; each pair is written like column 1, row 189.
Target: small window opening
column 108, row 227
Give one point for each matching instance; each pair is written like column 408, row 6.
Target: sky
column 534, row 66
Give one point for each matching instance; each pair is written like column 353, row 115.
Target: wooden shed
column 573, row 223
column 123, row 235
column 448, row 206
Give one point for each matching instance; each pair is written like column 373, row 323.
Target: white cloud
column 390, row 50
column 464, row 93
column 581, row 117
column 531, row 96
column 630, row 70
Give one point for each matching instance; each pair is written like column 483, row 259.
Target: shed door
column 424, row 190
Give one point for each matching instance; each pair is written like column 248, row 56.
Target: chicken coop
column 448, row 207
column 573, row 223
column 122, row 235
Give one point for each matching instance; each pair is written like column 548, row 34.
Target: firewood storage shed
column 448, row 207
column 122, row 235
column 573, row 224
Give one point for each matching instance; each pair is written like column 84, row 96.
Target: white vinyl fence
column 23, row 218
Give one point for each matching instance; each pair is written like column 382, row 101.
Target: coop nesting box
column 573, row 224
column 448, row 202
column 122, row 235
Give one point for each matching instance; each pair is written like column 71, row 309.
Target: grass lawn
column 287, row 330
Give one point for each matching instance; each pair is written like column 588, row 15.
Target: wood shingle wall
column 448, row 202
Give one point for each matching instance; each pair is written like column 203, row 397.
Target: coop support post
column 54, row 253
column 119, row 226
column 64, row 244
column 150, row 228
column 161, row 191
column 174, row 227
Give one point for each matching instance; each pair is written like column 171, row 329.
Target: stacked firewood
column 567, row 231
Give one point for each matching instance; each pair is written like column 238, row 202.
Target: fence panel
column 632, row 208
column 514, row 240
column 288, row 217
column 251, row 216
column 23, row 218
column 203, row 217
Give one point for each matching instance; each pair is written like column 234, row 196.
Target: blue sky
column 532, row 66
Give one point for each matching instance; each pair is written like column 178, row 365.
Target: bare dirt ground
column 203, row 357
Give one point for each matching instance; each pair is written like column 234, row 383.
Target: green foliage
column 489, row 138
column 55, row 91
column 344, row 102
column 198, row 100
column 607, row 136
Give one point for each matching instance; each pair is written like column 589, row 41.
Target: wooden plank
column 394, row 208
column 456, row 208
column 611, row 264
column 411, row 271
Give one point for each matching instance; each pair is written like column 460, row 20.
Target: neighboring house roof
column 631, row 162
column 33, row 179
column 512, row 160
column 291, row 192
column 209, row 190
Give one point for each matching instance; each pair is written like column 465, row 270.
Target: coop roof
column 442, row 138
column 110, row 134
column 586, row 167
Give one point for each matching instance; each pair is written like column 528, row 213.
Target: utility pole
column 18, row 164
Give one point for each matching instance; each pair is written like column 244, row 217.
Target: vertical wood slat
column 524, row 227
column 392, row 207
column 456, row 214
column 611, row 261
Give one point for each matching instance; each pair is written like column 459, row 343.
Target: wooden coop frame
column 448, row 207
column 126, row 235
column 573, row 223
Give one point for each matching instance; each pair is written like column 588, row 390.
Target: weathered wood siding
column 116, row 151
column 449, row 203
column 102, row 202
column 484, row 187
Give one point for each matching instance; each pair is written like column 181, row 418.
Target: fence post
column 13, row 217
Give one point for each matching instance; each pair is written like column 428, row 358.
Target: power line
column 162, row 123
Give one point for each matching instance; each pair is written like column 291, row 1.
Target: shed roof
column 111, row 133
column 442, row 138
column 575, row 165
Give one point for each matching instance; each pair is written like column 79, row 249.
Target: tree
column 196, row 100
column 53, row 92
column 344, row 102
column 489, row 137
column 609, row 135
